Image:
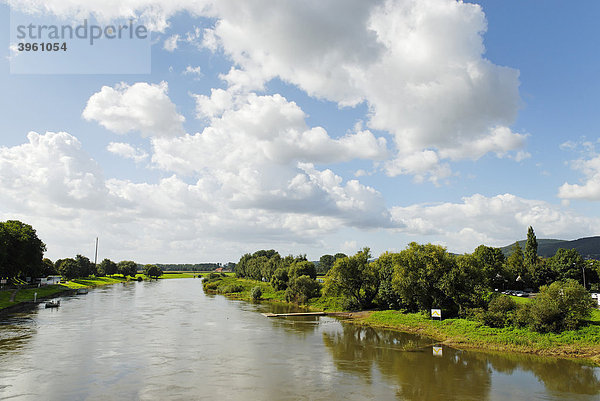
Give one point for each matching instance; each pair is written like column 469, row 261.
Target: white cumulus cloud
column 139, row 107
column 127, row 151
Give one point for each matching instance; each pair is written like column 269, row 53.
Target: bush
column 560, row 306
column 301, row 289
column 211, row 285
column 256, row 293
column 230, row 289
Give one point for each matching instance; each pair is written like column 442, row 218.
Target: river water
column 167, row 340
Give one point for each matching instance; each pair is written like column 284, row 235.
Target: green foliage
column 567, row 264
column 560, row 306
column 108, row 267
column 491, row 261
column 531, row 247
column 354, row 278
column 21, row 251
column 515, row 267
column 325, row 263
column 301, row 289
column 48, row 268
column 500, row 312
column 68, row 268
column 302, row 268
column 127, row 268
column 280, row 278
column 386, row 296
column 153, row 271
column 256, row 293
column 427, row 276
column 230, row 288
column 85, row 267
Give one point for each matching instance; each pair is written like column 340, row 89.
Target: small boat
column 52, row 304
column 82, row 291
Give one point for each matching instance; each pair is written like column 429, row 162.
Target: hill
column 588, row 247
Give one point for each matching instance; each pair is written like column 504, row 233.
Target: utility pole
column 96, row 254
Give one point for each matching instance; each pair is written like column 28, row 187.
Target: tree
column 108, row 267
column 153, row 271
column 279, row 280
column 301, row 289
column 21, row 251
column 491, row 261
column 48, row 268
column 127, row 268
column 354, row 278
column 427, row 276
column 515, row 266
column 567, row 264
column 68, row 268
column 302, row 268
column 85, row 267
column 563, row 305
column 531, row 246
column 325, row 263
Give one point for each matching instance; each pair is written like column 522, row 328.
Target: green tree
column 563, row 305
column 354, row 278
column 153, row 271
column 427, row 276
column 85, row 267
column 531, row 247
column 279, row 280
column 515, row 267
column 492, row 261
column 68, row 268
column 567, row 264
column 325, row 263
column 127, row 268
column 21, row 251
column 48, row 268
column 301, row 289
column 108, row 267
column 302, row 268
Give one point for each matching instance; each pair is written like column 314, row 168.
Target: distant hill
column 588, row 247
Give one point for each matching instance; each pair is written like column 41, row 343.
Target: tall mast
column 96, row 254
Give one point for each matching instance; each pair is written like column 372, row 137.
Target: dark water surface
column 166, row 340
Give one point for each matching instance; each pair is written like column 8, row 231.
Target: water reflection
column 408, row 361
column 558, row 375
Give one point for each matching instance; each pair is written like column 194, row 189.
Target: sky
column 310, row 127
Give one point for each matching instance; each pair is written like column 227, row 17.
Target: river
column 167, row 340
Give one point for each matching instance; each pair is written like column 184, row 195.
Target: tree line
column 22, row 256
column 422, row 277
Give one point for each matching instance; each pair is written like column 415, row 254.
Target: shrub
column 230, row 289
column 301, row 289
column 560, row 306
column 256, row 293
column 211, row 285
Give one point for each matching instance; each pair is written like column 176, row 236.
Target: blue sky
column 313, row 127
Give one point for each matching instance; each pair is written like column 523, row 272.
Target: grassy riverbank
column 28, row 294
column 462, row 333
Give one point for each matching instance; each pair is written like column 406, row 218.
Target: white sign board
column 436, row 313
column 437, row 351
column 3, row 281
